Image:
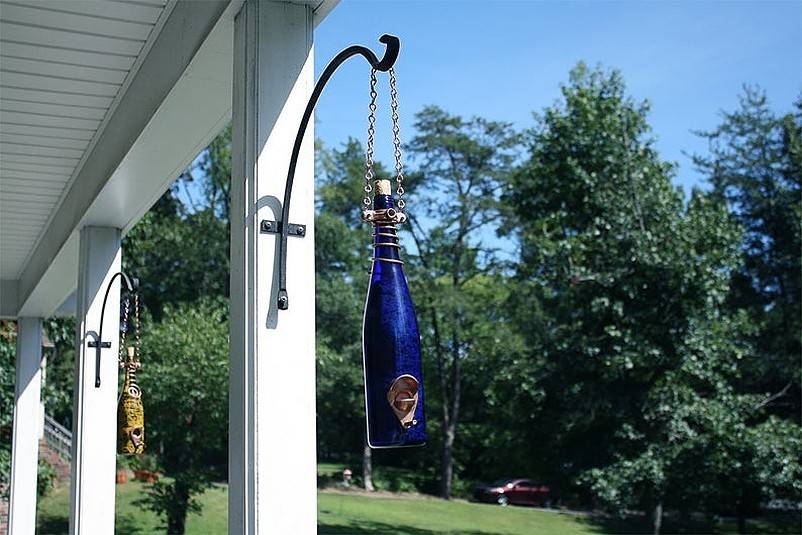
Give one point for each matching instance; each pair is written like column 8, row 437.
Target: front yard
column 338, row 514
column 351, row 513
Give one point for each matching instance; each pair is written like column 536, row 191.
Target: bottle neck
column 380, row 202
column 385, row 237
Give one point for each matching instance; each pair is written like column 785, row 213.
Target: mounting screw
column 283, row 300
column 301, row 230
column 267, row 225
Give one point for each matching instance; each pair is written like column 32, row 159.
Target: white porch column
column 272, row 441
column 25, row 447
column 95, row 409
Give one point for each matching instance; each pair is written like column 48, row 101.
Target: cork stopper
column 383, row 187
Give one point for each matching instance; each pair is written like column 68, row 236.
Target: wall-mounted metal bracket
column 274, row 227
column 99, row 344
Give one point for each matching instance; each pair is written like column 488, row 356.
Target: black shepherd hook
column 393, row 46
column 99, row 343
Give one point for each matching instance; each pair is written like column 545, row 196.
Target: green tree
column 177, row 257
column 214, row 166
column 60, row 373
column 8, row 352
column 184, row 379
column 180, row 253
column 755, row 164
column 8, row 355
column 462, row 166
column 598, row 222
column 640, row 358
column 179, row 250
column 341, row 241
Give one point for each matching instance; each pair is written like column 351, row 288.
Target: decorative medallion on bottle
column 390, row 338
column 403, row 398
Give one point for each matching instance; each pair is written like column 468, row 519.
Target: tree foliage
column 185, row 392
column 755, row 165
column 641, row 357
column 8, row 337
column 179, row 251
column 341, row 253
column 462, row 164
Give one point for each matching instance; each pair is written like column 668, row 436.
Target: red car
column 514, row 491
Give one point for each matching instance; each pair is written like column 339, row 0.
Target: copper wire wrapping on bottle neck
column 391, row 260
column 386, row 244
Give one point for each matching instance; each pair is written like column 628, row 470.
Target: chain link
column 371, row 138
column 399, row 168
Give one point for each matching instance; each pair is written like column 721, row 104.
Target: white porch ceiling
column 102, row 104
column 63, row 67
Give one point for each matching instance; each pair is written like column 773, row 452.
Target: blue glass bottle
column 390, row 341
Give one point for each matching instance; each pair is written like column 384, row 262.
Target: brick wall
column 3, row 516
column 59, row 464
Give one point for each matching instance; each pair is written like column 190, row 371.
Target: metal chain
column 121, row 352
column 137, row 328
column 371, row 138
column 399, row 168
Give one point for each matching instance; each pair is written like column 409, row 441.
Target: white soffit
column 64, row 65
column 175, row 97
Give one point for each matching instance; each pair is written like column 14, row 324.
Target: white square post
column 25, row 446
column 272, row 440
column 94, row 428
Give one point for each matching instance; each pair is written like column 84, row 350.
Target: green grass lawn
column 52, row 512
column 354, row 514
column 338, row 514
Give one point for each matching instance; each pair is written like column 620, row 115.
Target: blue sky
column 503, row 60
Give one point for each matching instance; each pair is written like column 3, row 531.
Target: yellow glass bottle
column 130, row 411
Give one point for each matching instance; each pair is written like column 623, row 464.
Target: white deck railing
column 58, row 437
